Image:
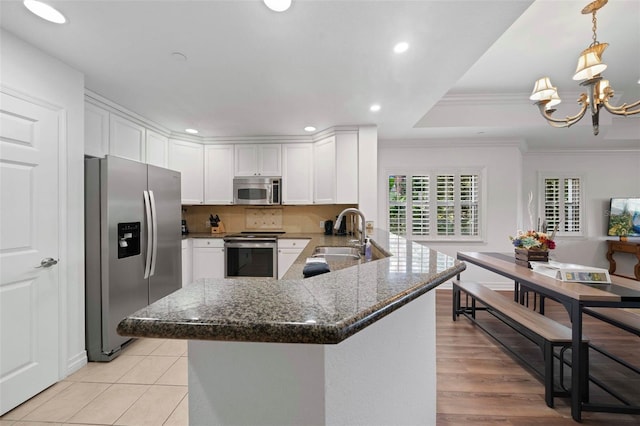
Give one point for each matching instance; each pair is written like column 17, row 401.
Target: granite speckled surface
column 324, row 309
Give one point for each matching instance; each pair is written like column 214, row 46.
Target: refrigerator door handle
column 154, row 218
column 147, row 208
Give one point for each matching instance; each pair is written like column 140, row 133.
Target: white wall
column 28, row 70
column 606, row 175
column 502, row 163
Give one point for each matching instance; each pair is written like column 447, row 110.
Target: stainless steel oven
column 248, row 255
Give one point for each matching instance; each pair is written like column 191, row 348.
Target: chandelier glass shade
column 588, row 72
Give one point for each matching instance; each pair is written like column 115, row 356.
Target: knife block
column 218, row 229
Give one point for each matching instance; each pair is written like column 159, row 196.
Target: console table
column 623, row 247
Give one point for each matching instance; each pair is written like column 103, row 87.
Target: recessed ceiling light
column 401, row 47
column 191, row 131
column 374, row 108
column 309, row 129
column 44, row 11
column 278, row 5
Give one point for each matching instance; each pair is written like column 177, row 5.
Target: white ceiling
column 253, row 72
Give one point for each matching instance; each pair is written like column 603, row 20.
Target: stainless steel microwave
column 261, row 191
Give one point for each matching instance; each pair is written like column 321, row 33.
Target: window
column 562, row 204
column 443, row 206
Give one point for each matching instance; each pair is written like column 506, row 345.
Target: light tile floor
column 145, row 385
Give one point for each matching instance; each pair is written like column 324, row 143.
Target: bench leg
column 456, row 302
column 548, row 374
column 584, row 349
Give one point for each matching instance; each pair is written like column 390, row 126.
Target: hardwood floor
column 480, row 383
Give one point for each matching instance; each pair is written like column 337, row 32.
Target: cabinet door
column 157, row 147
column 258, row 160
column 187, row 158
column 126, row 138
column 208, row 262
column 324, row 171
column 218, row 174
column 288, row 252
column 96, row 131
column 246, row 160
column 347, row 168
column 270, row 160
column 187, row 262
column 297, row 173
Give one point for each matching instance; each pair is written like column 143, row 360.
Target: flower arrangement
column 533, row 240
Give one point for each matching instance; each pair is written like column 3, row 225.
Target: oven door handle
column 250, row 244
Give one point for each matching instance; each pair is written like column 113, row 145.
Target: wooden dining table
column 620, row 293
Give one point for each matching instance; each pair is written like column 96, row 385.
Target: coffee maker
column 328, row 227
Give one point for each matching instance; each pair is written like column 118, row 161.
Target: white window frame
column 542, row 177
column 433, row 174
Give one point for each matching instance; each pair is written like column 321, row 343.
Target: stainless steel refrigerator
column 132, row 245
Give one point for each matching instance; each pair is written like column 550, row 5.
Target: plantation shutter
column 398, row 204
column 572, row 199
column 420, row 205
column 551, row 202
column 562, row 204
column 445, row 193
column 469, row 205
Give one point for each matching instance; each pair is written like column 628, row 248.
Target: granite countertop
column 324, row 309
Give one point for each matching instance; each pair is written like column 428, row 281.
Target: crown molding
column 452, row 143
column 102, row 102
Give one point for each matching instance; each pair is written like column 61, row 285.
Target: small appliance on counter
column 185, row 230
column 328, row 227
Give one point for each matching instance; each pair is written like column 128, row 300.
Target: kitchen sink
column 336, row 252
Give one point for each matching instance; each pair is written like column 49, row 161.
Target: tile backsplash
column 294, row 219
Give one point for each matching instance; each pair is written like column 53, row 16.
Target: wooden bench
column 545, row 332
column 628, row 320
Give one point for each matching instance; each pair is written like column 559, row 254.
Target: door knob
column 47, row 262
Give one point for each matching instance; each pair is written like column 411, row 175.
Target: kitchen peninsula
column 353, row 346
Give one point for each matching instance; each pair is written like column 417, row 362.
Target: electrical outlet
column 322, row 224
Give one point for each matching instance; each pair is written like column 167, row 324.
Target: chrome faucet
column 362, row 224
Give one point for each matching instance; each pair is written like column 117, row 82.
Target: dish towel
column 312, row 269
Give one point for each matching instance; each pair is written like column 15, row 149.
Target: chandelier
column 588, row 72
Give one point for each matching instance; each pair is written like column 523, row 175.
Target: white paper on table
column 570, row 272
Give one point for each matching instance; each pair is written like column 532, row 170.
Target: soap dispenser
column 367, row 249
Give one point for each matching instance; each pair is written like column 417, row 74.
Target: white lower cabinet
column 208, row 258
column 288, row 252
column 187, row 262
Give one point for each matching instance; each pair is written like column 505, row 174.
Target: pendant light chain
column 594, row 28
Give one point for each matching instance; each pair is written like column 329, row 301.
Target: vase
column 524, row 256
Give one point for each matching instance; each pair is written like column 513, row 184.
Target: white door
column 29, row 348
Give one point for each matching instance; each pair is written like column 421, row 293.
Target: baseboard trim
column 76, row 362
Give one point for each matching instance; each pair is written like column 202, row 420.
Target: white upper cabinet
column 324, row 171
column 335, row 169
column 218, row 174
column 157, row 148
column 187, row 158
column 126, row 139
column 297, row 173
column 347, row 168
column 96, row 130
column 258, row 160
